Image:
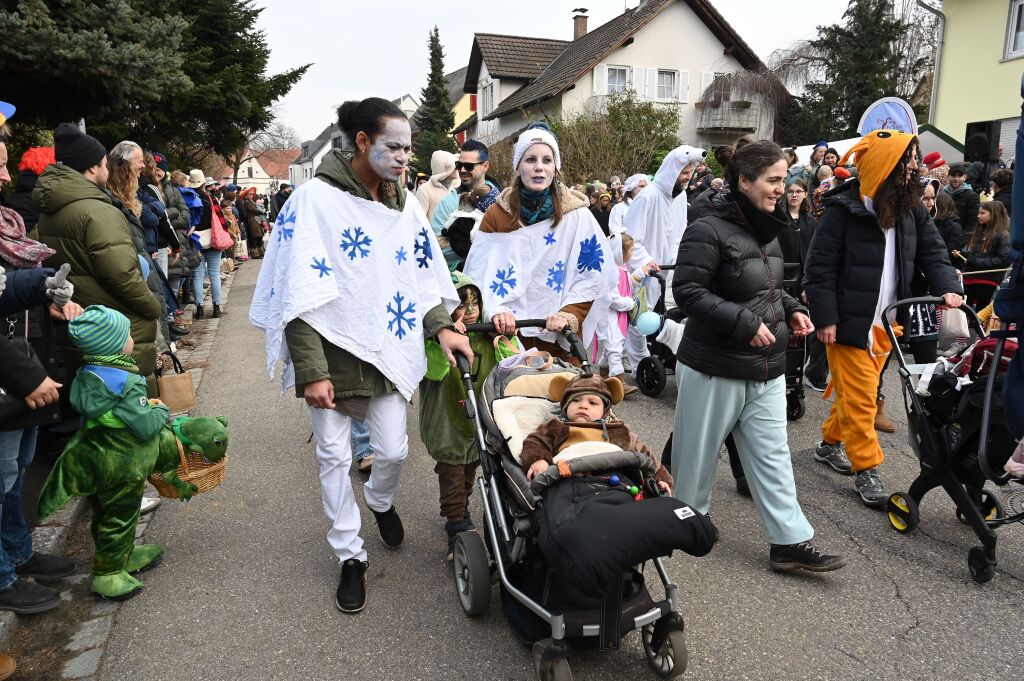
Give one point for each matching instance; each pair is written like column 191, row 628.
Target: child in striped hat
column 109, row 458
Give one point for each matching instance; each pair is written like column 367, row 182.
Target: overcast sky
column 380, row 49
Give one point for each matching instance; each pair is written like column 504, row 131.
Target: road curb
column 52, row 536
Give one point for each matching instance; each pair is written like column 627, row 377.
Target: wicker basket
column 195, row 469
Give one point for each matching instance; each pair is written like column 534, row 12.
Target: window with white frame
column 1015, row 31
column 487, row 98
column 618, row 79
column 668, row 84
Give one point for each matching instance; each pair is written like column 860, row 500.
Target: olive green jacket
column 81, row 223
column 314, row 358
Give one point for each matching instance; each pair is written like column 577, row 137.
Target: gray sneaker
column 835, row 456
column 870, row 488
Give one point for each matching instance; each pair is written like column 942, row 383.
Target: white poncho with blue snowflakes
column 361, row 274
column 535, row 271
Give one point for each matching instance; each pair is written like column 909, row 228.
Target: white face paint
column 537, row 167
column 389, row 153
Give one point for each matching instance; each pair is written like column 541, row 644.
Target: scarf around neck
column 116, row 360
column 536, row 206
column 16, row 249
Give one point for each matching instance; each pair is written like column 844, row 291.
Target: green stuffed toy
column 97, row 464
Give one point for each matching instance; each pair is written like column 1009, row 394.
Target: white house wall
column 675, row 40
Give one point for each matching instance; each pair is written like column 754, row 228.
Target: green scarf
column 117, row 360
column 536, row 206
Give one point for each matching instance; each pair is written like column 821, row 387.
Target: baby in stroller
column 601, row 514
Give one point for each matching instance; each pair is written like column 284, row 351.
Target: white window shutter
column 639, row 80
column 683, row 86
column 652, row 82
column 706, row 79
column 600, row 80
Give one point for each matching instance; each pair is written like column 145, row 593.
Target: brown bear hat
column 563, row 388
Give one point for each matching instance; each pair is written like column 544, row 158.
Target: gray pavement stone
column 84, row 665
column 91, row 634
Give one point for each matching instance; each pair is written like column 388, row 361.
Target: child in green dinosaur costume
column 449, row 436
column 125, row 437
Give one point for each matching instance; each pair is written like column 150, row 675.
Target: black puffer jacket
column 728, row 280
column 967, row 202
column 843, row 275
column 795, row 240
column 952, row 233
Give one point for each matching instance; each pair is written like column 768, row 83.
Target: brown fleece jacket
column 554, row 435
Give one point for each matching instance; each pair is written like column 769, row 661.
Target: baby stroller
column 651, row 372
column 544, row 611
column 796, row 355
column 955, row 420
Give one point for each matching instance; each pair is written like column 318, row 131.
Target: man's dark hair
column 1003, row 178
column 366, row 116
column 477, row 146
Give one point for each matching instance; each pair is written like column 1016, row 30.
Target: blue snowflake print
column 549, row 239
column 401, row 316
column 556, row 277
column 284, row 233
column 591, row 256
column 287, row 217
column 321, row 266
column 272, row 292
column 400, row 255
column 355, row 243
column 504, row 282
column 424, row 248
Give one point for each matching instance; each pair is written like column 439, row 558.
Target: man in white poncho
column 540, row 253
column 656, row 222
column 352, row 283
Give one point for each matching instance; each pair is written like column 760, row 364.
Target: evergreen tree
column 435, row 118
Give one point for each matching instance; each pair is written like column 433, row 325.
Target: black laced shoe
column 352, row 587
column 390, row 526
column 802, row 556
column 45, row 566
column 870, row 488
column 216, row 311
column 25, row 597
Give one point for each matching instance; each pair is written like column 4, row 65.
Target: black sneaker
column 45, row 566
column 816, row 386
column 870, row 488
column 390, row 526
column 802, row 556
column 468, row 519
column 453, row 528
column 835, row 456
column 25, row 597
column 352, row 587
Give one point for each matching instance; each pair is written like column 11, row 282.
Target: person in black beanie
column 82, row 223
column 78, row 151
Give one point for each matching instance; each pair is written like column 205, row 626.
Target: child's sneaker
column 453, row 528
column 802, row 556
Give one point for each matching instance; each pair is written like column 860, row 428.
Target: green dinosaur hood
column 60, row 185
column 336, row 170
column 461, row 281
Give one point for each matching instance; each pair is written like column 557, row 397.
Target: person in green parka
column 450, row 437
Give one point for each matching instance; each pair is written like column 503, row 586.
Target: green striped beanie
column 100, row 331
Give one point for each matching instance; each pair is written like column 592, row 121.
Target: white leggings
column 386, row 420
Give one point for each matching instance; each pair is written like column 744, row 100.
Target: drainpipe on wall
column 938, row 56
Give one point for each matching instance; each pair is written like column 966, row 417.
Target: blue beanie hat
column 100, row 331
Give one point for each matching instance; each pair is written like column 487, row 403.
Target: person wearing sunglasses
column 472, row 166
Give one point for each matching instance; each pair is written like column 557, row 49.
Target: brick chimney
column 579, row 23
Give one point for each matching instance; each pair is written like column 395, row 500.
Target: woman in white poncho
column 352, row 283
column 540, row 253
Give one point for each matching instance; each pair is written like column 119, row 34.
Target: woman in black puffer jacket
column 732, row 361
column 873, row 239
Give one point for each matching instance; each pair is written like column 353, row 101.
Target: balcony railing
column 718, row 116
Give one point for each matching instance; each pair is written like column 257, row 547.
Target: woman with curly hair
column 874, row 237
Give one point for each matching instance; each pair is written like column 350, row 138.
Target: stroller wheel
column 669, row 659
column 650, row 376
column 992, row 510
column 472, row 573
column 550, row 661
column 982, row 568
column 903, row 513
column 795, row 407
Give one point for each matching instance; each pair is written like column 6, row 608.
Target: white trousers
column 610, row 354
column 636, row 347
column 390, row 443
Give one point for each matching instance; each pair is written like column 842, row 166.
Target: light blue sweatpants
column 708, row 408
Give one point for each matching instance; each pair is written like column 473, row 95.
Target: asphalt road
column 247, row 588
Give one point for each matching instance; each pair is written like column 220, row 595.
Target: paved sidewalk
column 247, row 587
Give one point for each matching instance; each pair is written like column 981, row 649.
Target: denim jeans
column 16, row 450
column 360, row 440
column 209, row 263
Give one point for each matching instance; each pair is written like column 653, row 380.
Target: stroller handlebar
column 972, row 320
column 487, row 327
column 576, row 346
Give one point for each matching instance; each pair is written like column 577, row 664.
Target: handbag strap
column 11, row 323
column 178, row 368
